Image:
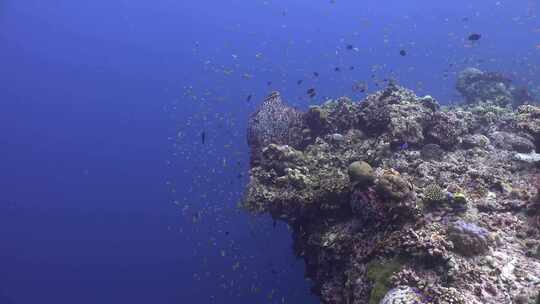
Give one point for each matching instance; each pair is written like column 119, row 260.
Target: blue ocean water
column 108, row 192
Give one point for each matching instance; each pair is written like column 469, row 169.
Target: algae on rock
column 379, row 272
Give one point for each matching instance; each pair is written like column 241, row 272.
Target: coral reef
column 394, row 199
column 490, row 87
column 403, row 295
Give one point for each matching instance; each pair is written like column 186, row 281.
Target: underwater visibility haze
column 270, row 151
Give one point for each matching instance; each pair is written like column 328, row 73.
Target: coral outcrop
column 394, row 199
column 478, row 86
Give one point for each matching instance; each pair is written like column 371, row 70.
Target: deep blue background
column 107, row 194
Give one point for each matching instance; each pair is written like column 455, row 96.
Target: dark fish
column 299, row 82
column 465, row 19
column 203, row 137
column 349, row 47
column 351, row 68
column 227, row 232
column 249, row 97
column 359, row 86
column 337, row 69
column 403, row 53
column 474, row 37
column 269, row 83
column 311, row 92
column 315, row 74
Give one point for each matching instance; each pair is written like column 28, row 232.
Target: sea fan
column 273, row 123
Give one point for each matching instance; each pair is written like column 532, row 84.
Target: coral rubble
column 395, row 199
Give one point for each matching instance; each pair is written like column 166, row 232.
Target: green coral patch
column 379, row 272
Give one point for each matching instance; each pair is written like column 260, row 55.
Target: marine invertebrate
column 334, row 116
column 346, row 232
column 392, row 186
column 469, row 239
column 432, row 152
column 458, row 201
column 528, row 120
column 403, row 295
column 447, row 129
column 522, row 95
column 379, row 272
column 368, row 206
column 398, row 112
column 361, row 174
column 477, row 86
column 274, row 122
column 533, row 207
column 434, row 195
column 512, row 142
column 475, row 141
column 527, row 157
column 536, row 185
column 317, row 120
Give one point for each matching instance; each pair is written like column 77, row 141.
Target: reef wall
column 395, row 199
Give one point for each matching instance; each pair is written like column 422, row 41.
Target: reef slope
column 395, row 200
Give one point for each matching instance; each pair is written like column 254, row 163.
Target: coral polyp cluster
column 395, row 199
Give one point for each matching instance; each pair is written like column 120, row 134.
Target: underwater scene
column 270, row 151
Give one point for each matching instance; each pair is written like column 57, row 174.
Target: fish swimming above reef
column 474, row 37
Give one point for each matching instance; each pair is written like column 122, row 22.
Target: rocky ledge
column 395, row 199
